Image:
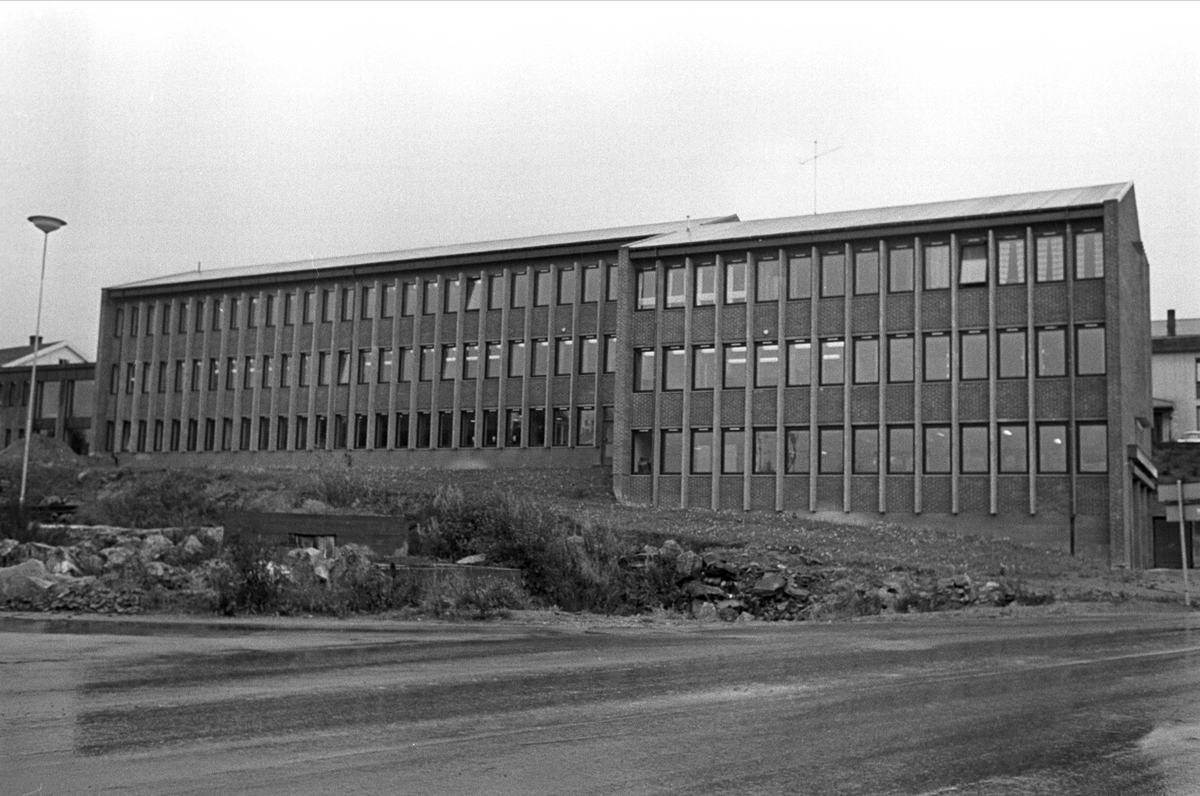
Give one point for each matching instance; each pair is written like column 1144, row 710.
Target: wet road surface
column 1094, row 705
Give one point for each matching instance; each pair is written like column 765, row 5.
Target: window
column 165, row 327
column 470, row 361
column 302, row 432
column 671, row 459
column 251, row 311
column 217, row 312
column 564, row 356
column 150, row 320
column 937, row 266
column 566, row 286
column 449, row 362
column 386, row 364
column 199, row 315
column 900, row 359
column 308, row 306
column 1089, row 350
column 244, row 430
column 833, row 273
column 424, row 430
column 387, row 305
column 176, row 433
column 643, row 370
column 799, row 363
column 366, row 303
column 866, row 272
column 381, row 431
column 541, row 357
column 702, row 451
column 491, row 367
column 285, row 364
column 118, row 322
column 937, row 358
column 900, row 270
column 866, row 360
column 643, row 452
column 833, row 366
column 214, row 374
column 177, row 381
column 585, row 434
column 704, row 368
column 1014, row 456
column 193, row 430
column 281, row 433
column 343, row 365
column 974, row 353
column 366, row 365
column 196, row 375
column 1050, row 258
column 161, row 384
column 227, row 434
column 289, row 309
column 541, row 288
column 1010, row 261
column 766, row 279
column 249, row 373
column 589, row 355
column 591, row 284
column 831, row 458
column 491, row 428
column 429, row 302
column 675, row 287
column 1011, row 354
column 474, row 298
column 404, row 364
column 428, row 363
column 1089, row 259
column 145, row 377
column 866, row 450
column 799, row 277
column 735, row 282
column 445, row 430
column 302, row 378
column 610, row 353
column 1052, row 448
column 973, row 442
column 733, row 453
column 766, row 364
column 537, row 427
column 1052, row 353
column 496, row 292
column 706, row 284
column 900, row 450
column 466, row 428
column 646, row 288
column 972, row 268
column 320, row 431
column 451, row 295
column 408, row 298
column 674, row 367
column 797, row 451
column 512, row 428
column 181, row 317
column 520, row 289
column 735, row 366
column 1092, row 455
column 210, row 434
column 133, row 321
column 323, row 368
column 613, row 286
column 516, row 358
column 766, row 443
column 937, row 449
column 230, row 373
column 401, row 430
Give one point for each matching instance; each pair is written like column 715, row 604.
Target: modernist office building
column 982, row 363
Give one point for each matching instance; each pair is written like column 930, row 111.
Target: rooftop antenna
column 813, row 160
column 197, row 266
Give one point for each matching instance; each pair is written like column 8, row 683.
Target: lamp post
column 46, row 224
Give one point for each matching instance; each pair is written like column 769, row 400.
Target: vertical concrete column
column 781, row 385
column 414, row 351
column 502, row 393
column 435, row 426
column 718, row 446
column 352, row 353
column 659, row 360
column 313, row 364
column 1072, row 369
column 1030, row 373
column 993, row 275
column 576, row 348
column 276, row 392
column 393, row 389
column 955, row 371
column 371, row 386
column 847, row 378
column 751, row 377
column 918, row 374
column 685, row 468
column 460, row 352
column 881, row 384
column 481, row 368
column 623, row 379
column 527, row 334
column 814, row 375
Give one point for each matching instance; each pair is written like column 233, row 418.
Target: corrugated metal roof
column 905, row 214
column 432, row 252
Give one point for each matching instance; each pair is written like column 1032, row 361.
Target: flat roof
column 882, row 216
column 614, row 234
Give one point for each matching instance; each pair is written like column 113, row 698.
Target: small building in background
column 1175, row 343
column 63, row 401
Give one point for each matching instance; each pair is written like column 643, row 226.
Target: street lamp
column 46, row 224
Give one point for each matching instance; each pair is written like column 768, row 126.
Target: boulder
column 215, row 535
column 154, row 547
column 26, row 580
column 729, row 610
column 768, row 584
column 705, row 612
column 670, row 551
column 702, row 590
column 7, row 546
column 478, row 558
column 688, row 565
column 192, row 548
column 716, row 567
column 115, row 557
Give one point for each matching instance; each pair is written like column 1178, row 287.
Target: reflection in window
column 735, row 366
column 765, row 443
column 900, row 359
column 1014, row 456
column 799, row 276
column 674, row 368
column 866, row 450
column 733, row 451
column 766, row 365
column 833, row 361
column 1089, row 257
column 797, row 454
column 671, row 462
column 900, row 450
column 647, row 287
column 974, row 364
column 973, row 441
column 937, row 267
column 972, row 270
column 766, row 281
column 866, row 360
column 702, row 451
column 542, row 281
column 643, row 370
column 833, row 274
column 1050, row 258
column 1011, row 360
column 706, row 284
column 1052, row 448
column 937, row 449
column 900, row 270
column 704, row 368
column 1010, row 261
column 1052, row 355
column 799, row 363
column 1089, row 350
column 675, row 287
column 735, row 282
column 831, row 458
column 541, row 358
column 866, row 272
column 1093, row 447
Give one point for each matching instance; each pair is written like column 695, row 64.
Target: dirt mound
column 42, row 450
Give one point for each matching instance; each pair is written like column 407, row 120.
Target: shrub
column 156, row 500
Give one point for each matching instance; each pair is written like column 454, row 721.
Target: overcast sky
column 170, row 134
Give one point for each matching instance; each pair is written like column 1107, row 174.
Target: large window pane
column 866, row 450
column 706, row 284
column 591, row 284
column 1050, row 258
column 647, row 288
column 833, row 361
column 674, row 368
column 937, row 266
column 733, row 453
column 833, row 274
column 586, row 434
column 1052, row 448
column 937, row 358
column 900, row 359
column 643, row 370
column 766, row 364
column 541, row 358
column 799, row 363
column 564, row 356
column 643, row 452
column 831, row 458
column 1052, row 354
column 797, row 453
column 900, row 270
column 735, row 366
column 1010, row 263
column 972, row 269
column 702, row 451
column 1014, row 455
column 766, row 281
column 765, row 444
column 866, row 360
column 496, row 292
column 471, row 361
column 542, row 286
column 799, row 276
column 1011, row 360
column 1093, row 447
column 566, row 286
column 866, row 272
column 520, row 289
column 704, row 368
column 937, row 449
column 672, row 452
column 589, row 355
column 735, row 282
column 675, row 286
column 1089, row 350
column 516, row 358
column 900, row 450
column 1089, row 257
column 974, row 443
column 974, row 351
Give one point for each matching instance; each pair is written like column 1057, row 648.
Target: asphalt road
column 1099, row 705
